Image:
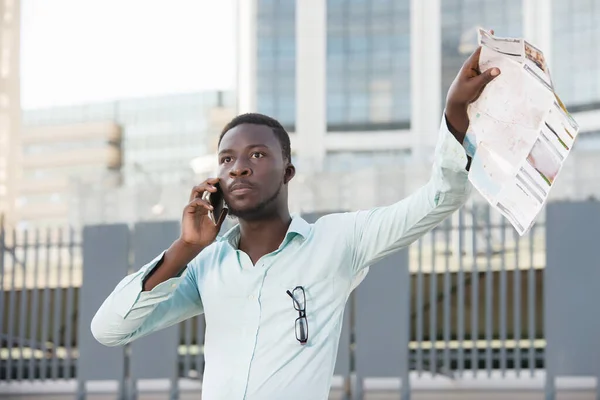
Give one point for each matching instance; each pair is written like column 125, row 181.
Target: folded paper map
column 520, row 133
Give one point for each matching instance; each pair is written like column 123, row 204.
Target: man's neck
column 261, row 237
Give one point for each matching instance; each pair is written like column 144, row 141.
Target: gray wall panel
column 154, row 356
column 572, row 295
column 105, row 260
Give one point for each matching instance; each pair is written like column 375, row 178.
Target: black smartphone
column 217, row 201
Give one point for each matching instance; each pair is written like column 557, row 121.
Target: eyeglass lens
column 300, row 299
column 302, row 329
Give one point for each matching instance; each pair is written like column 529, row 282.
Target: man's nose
column 240, row 169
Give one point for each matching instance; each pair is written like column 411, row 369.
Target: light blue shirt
column 251, row 351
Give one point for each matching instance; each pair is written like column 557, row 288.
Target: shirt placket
column 252, row 315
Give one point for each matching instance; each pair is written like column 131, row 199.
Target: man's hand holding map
column 520, row 133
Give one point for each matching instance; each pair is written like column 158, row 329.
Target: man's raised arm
column 381, row 231
column 374, row 234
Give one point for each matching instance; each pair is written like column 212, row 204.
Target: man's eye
column 225, row 159
column 256, row 154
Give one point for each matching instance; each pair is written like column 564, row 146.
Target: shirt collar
column 299, row 226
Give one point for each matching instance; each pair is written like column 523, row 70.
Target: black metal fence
column 471, row 296
column 40, row 277
column 477, row 296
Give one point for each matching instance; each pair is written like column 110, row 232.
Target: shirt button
column 251, row 297
column 173, row 285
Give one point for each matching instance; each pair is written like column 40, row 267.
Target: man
column 273, row 289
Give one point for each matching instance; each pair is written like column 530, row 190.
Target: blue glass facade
column 368, row 63
column 276, row 60
column 576, row 52
column 460, row 20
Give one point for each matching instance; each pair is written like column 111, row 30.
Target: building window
column 368, row 64
column 276, row 60
column 460, row 21
column 576, row 53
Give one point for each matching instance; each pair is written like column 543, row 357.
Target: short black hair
column 261, row 119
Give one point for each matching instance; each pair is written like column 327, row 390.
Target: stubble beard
column 257, row 212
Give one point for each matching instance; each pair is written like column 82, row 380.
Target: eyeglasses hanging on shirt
column 301, row 324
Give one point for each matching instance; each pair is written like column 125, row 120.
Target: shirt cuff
column 450, row 154
column 129, row 291
column 469, row 144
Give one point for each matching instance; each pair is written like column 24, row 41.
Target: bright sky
column 79, row 51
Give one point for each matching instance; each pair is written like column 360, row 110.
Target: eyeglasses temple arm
column 293, row 298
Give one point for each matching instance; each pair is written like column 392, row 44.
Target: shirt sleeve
column 129, row 313
column 381, row 231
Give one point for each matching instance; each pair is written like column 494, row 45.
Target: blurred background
column 110, row 112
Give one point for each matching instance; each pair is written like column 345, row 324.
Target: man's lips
column 240, row 188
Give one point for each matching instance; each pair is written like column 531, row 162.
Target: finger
column 198, row 191
column 198, row 204
column 472, row 63
column 486, row 77
column 212, row 181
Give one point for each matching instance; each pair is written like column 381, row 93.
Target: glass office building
column 368, row 63
column 384, row 84
column 460, row 21
column 576, row 52
column 276, row 59
column 158, row 138
column 161, row 134
column 368, row 55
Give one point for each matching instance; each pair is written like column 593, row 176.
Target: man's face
column 251, row 171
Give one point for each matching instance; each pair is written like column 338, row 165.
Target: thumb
column 486, row 77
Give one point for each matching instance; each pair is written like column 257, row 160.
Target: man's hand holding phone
column 204, row 215
column 198, row 231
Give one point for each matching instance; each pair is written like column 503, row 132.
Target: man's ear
column 290, row 172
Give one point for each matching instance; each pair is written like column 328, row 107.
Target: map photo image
column 544, row 162
column 536, row 62
column 536, row 56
